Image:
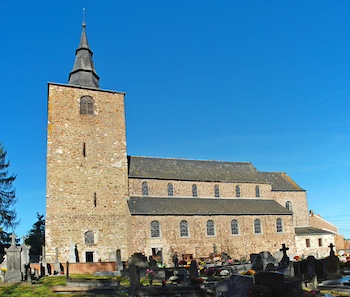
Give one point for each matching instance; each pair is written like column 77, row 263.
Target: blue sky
column 261, row 81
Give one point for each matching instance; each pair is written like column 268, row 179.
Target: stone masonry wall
column 87, row 186
column 201, row 245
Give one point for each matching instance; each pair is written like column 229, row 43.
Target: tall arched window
column 216, row 191
column 89, row 238
column 144, row 189
column 194, row 190
column 289, row 205
column 234, row 227
column 279, row 225
column 155, row 229
column 210, row 228
column 257, row 191
column 86, row 105
column 238, row 191
column 184, row 228
column 257, row 226
column 170, row 189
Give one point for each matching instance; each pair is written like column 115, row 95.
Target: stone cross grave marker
column 13, row 255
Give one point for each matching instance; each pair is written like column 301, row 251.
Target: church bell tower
column 87, row 176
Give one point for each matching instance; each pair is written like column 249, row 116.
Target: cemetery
column 263, row 274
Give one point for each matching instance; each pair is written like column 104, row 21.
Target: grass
column 42, row 288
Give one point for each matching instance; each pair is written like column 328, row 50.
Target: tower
column 87, row 188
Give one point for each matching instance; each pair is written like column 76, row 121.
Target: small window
column 238, row 191
column 216, row 191
column 289, row 205
column 320, row 242
column 194, row 190
column 210, row 228
column 144, row 189
column 257, row 191
column 170, row 189
column 95, row 199
column 307, row 241
column 86, row 105
column 234, row 227
column 89, row 238
column 257, row 226
column 279, row 225
column 184, row 228
column 155, row 229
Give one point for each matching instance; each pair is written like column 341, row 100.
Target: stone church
column 100, row 200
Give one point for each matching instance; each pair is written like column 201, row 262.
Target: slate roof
column 204, row 206
column 310, row 231
column 214, row 171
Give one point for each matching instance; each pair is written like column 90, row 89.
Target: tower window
column 184, row 228
column 234, row 227
column 95, row 199
column 86, row 105
column 170, row 189
column 216, row 191
column 289, row 205
column 89, row 238
column 279, row 225
column 155, row 229
column 84, row 149
column 257, row 191
column 307, row 242
column 257, row 226
column 194, row 190
column 238, row 191
column 144, row 189
column 210, row 228
column 320, row 242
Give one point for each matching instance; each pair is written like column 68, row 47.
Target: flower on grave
column 311, row 293
column 209, row 271
column 217, row 259
column 174, row 279
column 230, row 261
column 296, row 258
column 182, row 263
column 224, row 272
column 250, row 272
column 3, row 270
column 150, row 273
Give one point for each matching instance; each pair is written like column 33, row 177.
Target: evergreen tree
column 36, row 236
column 7, row 197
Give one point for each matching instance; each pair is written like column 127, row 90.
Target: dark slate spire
column 83, row 73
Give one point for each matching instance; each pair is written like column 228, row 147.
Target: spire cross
column 84, row 17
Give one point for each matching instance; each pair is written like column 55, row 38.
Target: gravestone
column 72, row 253
column 134, row 277
column 43, row 263
column 182, row 275
column 332, row 265
column 285, row 259
column 239, row 285
column 193, row 270
column 25, row 260
column 272, row 280
column 13, row 255
column 257, row 263
column 119, row 263
column 56, row 264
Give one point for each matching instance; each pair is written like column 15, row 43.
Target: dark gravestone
column 182, row 275
column 257, row 263
column 13, row 256
column 332, row 265
column 285, row 259
column 239, row 285
column 272, row 280
column 193, row 271
column 134, row 277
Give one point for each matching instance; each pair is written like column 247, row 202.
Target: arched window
column 216, row 191
column 86, row 105
column 194, row 190
column 279, row 225
column 238, row 191
column 289, row 205
column 257, row 191
column 210, row 228
column 234, row 227
column 89, row 238
column 257, row 226
column 155, row 229
column 170, row 189
column 184, row 228
column 144, row 189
